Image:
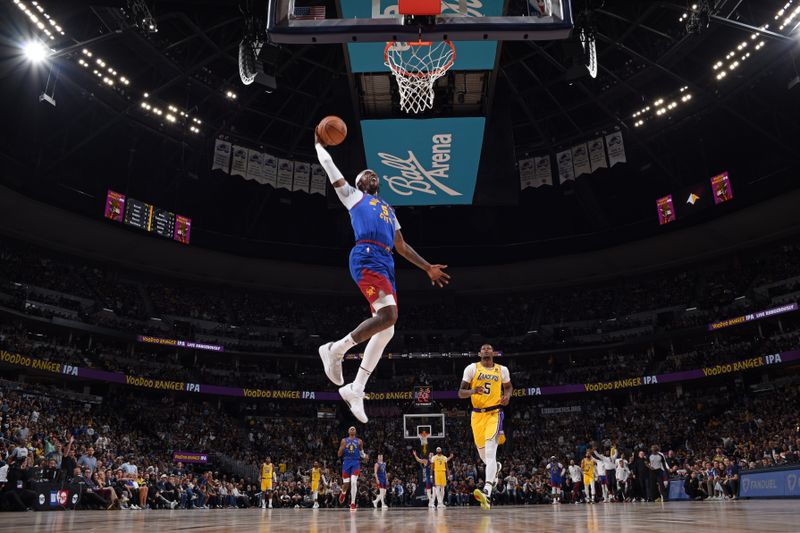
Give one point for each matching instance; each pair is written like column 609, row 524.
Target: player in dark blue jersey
column 377, row 232
column 351, row 450
column 380, row 481
column 427, row 475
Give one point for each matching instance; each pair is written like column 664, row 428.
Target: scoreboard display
column 148, row 217
column 138, row 214
column 163, row 222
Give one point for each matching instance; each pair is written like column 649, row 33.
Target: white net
column 416, row 67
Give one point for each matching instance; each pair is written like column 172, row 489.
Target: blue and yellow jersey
column 352, row 450
column 374, row 221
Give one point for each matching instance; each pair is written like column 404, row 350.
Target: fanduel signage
column 770, row 484
column 425, row 162
column 470, row 55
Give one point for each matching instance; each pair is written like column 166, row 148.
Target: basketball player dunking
column 488, row 385
column 380, row 480
column 351, row 450
column 377, row 232
column 267, row 477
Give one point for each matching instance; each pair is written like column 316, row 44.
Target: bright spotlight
column 35, row 51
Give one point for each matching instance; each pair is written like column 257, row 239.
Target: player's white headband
column 351, row 428
column 363, row 174
column 438, row 449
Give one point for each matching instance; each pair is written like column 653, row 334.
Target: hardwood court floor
column 770, row 516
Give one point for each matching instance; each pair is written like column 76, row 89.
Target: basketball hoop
column 416, row 67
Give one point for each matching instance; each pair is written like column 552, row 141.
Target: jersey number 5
column 487, row 388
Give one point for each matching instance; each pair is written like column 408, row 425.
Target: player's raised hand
column 438, row 276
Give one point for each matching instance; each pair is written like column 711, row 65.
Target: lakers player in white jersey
column 488, row 385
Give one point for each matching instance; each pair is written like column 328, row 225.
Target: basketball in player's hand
column 331, row 130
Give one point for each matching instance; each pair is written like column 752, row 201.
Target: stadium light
column 35, row 51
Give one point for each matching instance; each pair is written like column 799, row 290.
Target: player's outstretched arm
column 435, row 272
column 348, row 194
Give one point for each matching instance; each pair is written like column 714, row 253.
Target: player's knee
column 388, row 316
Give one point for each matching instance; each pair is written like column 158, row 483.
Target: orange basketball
column 331, row 130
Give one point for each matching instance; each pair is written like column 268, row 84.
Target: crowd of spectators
column 44, row 284
column 119, row 450
column 703, row 349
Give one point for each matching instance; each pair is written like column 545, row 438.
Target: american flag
column 309, row 13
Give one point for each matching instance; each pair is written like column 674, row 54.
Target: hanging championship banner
column 270, row 170
column 616, row 148
column 285, row 173
column 580, row 160
column 526, row 173
column 302, row 172
column 597, row 154
column 222, row 156
column 239, row 164
column 318, row 179
column 255, row 166
column 543, row 172
column 565, row 170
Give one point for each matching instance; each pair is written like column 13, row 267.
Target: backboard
column 433, row 423
column 352, row 21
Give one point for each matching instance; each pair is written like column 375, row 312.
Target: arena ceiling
column 99, row 136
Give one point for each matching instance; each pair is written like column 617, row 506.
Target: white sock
column 372, row 354
column 382, row 495
column 430, row 496
column 342, row 345
column 353, row 489
column 605, row 492
column 314, row 495
column 491, row 465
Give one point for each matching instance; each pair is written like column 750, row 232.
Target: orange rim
column 397, row 70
